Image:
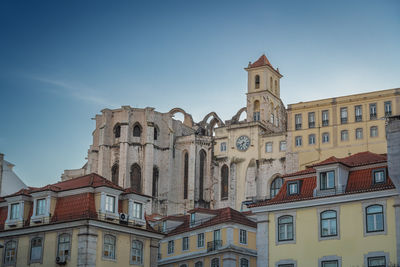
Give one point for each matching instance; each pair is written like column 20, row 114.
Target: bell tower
column 263, row 92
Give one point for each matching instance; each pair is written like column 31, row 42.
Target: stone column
column 262, row 239
column 397, row 225
column 393, row 149
column 229, row 259
column 154, row 243
column 87, row 247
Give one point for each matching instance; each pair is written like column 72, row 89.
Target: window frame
column 69, row 234
column 364, row 207
column 244, row 259
column 344, row 135
column 371, row 130
column 373, row 112
column 37, row 206
column 286, row 263
column 282, row 144
column 311, row 123
column 298, row 141
column 106, row 204
column 40, row 260
column 14, row 261
column 257, row 81
column 298, row 121
column 171, row 247
column 325, row 122
column 196, row 264
column 389, row 112
column 325, row 138
column 134, row 210
column 223, row 147
column 359, row 130
column 327, row 182
column 374, row 214
column 312, row 137
column 18, row 212
column 242, row 236
column 141, row 252
column 384, row 176
column 291, row 240
column 337, row 221
column 113, row 256
column 344, row 119
column 274, row 188
column 185, row 244
column 212, row 262
column 358, row 117
column 267, row 146
column 330, row 258
column 297, row 183
column 200, row 240
column 376, row 254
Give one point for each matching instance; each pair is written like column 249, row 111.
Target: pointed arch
column 156, row 175
column 156, row 132
column 202, row 172
column 188, row 119
column 137, row 129
column 185, row 174
column 117, row 130
column 224, row 182
column 115, row 173
column 136, row 178
column 236, row 117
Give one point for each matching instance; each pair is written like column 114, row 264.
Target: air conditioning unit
column 123, row 217
column 61, row 260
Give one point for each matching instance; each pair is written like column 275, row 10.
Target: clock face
column 243, row 143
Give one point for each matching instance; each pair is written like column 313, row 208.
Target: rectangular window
column 286, row 265
column 372, row 111
column 282, row 146
column 217, row 235
column 293, row 188
column 171, row 246
column 268, row 147
column 343, row 115
column 272, row 118
column 41, row 207
column 330, row 263
column 311, row 139
column 328, row 223
column 379, row 176
column 374, row 131
column 200, row 240
column 377, row 261
column 285, row 228
column 185, row 243
column 256, row 116
column 223, row 146
column 358, row 113
column 192, row 219
column 243, row 236
column 325, row 118
column 298, row 120
column 110, row 203
column 298, row 141
column 325, row 138
column 36, row 249
column 311, row 120
column 359, row 133
column 344, row 135
column 10, row 252
column 388, row 108
column 138, row 210
column 64, row 246
column 327, row 180
column 15, row 211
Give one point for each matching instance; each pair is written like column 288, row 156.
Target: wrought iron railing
column 214, row 245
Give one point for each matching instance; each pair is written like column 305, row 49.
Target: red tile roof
column 223, row 215
column 3, row 216
column 359, row 159
column 261, row 61
column 74, row 207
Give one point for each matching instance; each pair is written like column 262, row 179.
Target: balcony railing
column 372, row 116
column 325, row 122
column 311, row 124
column 214, row 245
column 358, row 118
column 298, row 126
column 343, row 120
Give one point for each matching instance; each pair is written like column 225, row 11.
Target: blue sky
column 61, row 62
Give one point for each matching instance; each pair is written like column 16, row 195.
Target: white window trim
column 321, row 210
column 130, row 211
column 330, row 258
column 4, row 252
column 204, row 240
column 246, row 237
column 30, row 248
column 376, row 254
column 115, row 247
column 277, row 216
column 364, row 205
column 114, row 214
column 288, row 261
column 20, row 219
column 135, row 238
column 47, row 208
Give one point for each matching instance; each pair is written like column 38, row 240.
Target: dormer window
column 257, row 82
column 192, row 219
column 40, row 207
column 327, row 180
column 110, row 204
column 293, row 188
column 164, row 226
column 379, row 176
column 138, row 210
column 15, row 212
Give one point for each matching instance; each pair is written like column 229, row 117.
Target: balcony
column 343, row 120
column 358, row 118
column 214, row 245
column 325, row 122
column 298, row 126
column 311, row 124
column 372, row 116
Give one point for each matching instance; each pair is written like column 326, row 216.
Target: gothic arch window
column 185, row 175
column 137, row 130
column 155, row 181
column 115, row 173
column 136, row 178
column 117, row 130
column 202, row 173
column 155, row 132
column 275, row 186
column 224, row 182
column 257, row 82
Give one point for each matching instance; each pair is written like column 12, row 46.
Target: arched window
column 117, row 130
column 198, row 264
column 137, row 252
column 137, row 130
column 10, row 252
column 64, row 246
column 155, row 182
column 275, row 186
column 257, row 82
column 224, row 182
column 256, row 112
column 215, row 262
column 109, row 247
column 115, row 173
column 375, row 218
column 185, row 175
column 202, row 173
column 136, row 178
column 285, row 228
column 155, row 132
column 244, row 262
column 36, row 249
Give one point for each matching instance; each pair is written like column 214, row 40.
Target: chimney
column 393, row 149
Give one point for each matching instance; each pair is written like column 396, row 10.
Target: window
column 298, row 141
column 137, row 210
column 200, row 240
column 185, row 243
column 256, row 116
column 242, row 236
column 224, row 182
column 115, row 173
column 198, row 264
column 276, row 186
column 155, row 132
column 164, row 226
column 272, row 118
column 311, row 139
column 36, row 249
column 293, row 188
column 64, row 246
column 282, row 145
column 358, row 113
column 40, row 207
column 379, row 176
column 223, row 146
column 388, row 108
column 217, row 235
column 297, row 119
column 330, row 263
column 244, row 262
column 192, row 219
column 344, row 135
column 155, row 181
column 215, row 262
column 374, row 218
column 171, row 246
column 372, row 111
column 109, row 247
column 136, row 178
column 10, row 252
column 327, row 180
column 285, row 228
column 311, row 120
column 328, row 223
column 377, row 261
column 268, row 147
column 374, row 131
column 137, row 130
column 117, row 131
column 343, row 115
column 137, row 252
column 15, row 211
column 186, row 176
column 257, row 82
column 325, row 118
column 359, row 133
column 325, row 138
column 202, row 172
column 110, row 203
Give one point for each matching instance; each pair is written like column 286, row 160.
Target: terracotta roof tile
column 359, row 159
column 3, row 216
column 75, row 207
column 261, row 61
